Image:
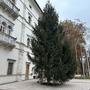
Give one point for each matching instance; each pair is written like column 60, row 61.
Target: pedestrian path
column 74, row 84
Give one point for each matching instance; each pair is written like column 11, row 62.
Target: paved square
column 33, row 85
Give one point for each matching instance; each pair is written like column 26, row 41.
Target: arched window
column 9, row 29
column 30, row 6
column 28, row 42
column 4, row 25
column 0, row 27
column 29, row 18
column 14, row 1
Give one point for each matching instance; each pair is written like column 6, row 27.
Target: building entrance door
column 27, row 71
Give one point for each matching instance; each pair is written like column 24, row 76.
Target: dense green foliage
column 53, row 58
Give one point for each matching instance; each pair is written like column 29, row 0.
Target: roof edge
column 38, row 5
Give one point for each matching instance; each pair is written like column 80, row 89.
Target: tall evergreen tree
column 53, row 57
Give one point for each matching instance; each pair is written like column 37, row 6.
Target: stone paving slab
column 74, row 84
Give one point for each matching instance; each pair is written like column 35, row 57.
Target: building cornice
column 38, row 6
column 7, row 19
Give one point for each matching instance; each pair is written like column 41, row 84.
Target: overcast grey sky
column 71, row 9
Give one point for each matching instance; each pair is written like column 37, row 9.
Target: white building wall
column 21, row 31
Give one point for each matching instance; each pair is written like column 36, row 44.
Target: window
column 28, row 42
column 14, row 1
column 10, row 68
column 30, row 6
column 9, row 30
column 3, row 27
column 29, row 18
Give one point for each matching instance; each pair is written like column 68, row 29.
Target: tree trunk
column 41, row 76
column 48, row 81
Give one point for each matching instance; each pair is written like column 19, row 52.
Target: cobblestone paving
column 33, row 85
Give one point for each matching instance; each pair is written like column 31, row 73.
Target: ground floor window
column 10, row 67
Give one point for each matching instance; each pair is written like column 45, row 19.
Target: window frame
column 10, row 68
column 29, row 18
column 29, row 43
